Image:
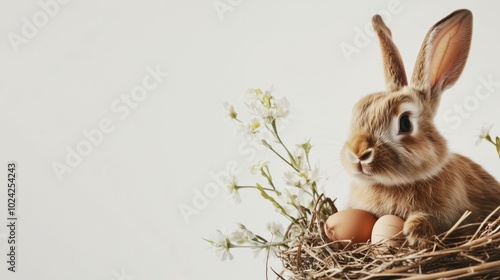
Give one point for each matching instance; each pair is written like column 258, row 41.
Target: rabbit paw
column 418, row 227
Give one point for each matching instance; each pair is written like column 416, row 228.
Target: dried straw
column 476, row 256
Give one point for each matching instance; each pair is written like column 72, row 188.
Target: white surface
column 117, row 212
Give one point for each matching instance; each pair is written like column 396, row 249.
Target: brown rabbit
column 399, row 162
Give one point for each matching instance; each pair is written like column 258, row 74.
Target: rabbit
column 398, row 161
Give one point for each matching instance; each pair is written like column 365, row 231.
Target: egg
column 386, row 227
column 351, row 224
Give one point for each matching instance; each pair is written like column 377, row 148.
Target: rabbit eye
column 405, row 126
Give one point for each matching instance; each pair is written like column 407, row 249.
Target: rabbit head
column 392, row 138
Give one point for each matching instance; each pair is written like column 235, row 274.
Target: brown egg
column 386, row 227
column 352, row 224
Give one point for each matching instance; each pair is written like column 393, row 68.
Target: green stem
column 488, row 138
column 279, row 139
column 315, row 191
column 283, row 243
column 281, row 157
column 260, row 238
column 307, row 159
column 253, row 187
column 267, row 174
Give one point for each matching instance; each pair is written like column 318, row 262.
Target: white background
column 116, row 215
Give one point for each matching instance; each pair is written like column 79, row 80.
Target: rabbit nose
column 366, row 156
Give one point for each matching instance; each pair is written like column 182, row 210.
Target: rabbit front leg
column 419, row 226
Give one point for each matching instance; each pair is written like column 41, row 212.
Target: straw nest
column 314, row 256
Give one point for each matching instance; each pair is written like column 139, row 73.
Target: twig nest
column 387, row 227
column 350, row 226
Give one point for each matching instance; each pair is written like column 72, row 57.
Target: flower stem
column 253, row 187
column 280, row 156
column 268, row 245
column 258, row 237
column 276, row 134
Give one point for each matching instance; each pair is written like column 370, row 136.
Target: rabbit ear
column 443, row 54
column 395, row 75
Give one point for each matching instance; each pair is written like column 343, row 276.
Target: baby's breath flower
column 294, row 179
column 313, row 176
column 485, row 133
column 221, row 244
column 260, row 110
column 230, row 112
column 253, row 94
column 256, row 168
column 250, row 129
column 276, row 229
column 249, row 234
column 282, row 108
column 232, row 187
column 242, row 235
column 254, row 125
column 238, row 237
column 306, row 146
column 289, row 198
column 267, row 99
column 265, row 106
column 299, row 159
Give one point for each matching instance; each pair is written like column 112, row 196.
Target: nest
column 447, row 255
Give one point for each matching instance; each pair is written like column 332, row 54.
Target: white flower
column 282, row 108
column 289, row 201
column 265, row 106
column 253, row 94
column 268, row 114
column 294, row 179
column 229, row 109
column 242, row 235
column 250, row 129
column 232, row 187
column 258, row 109
column 238, row 237
column 300, row 161
column 485, row 132
column 313, row 176
column 288, row 197
column 222, row 245
column 306, row 146
column 254, row 169
column 276, row 229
